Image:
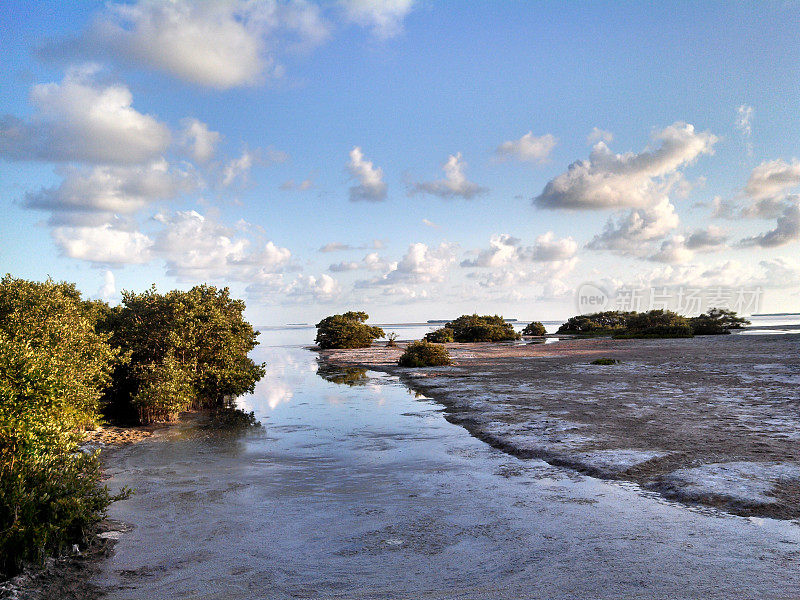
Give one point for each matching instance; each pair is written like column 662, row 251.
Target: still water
column 358, row 488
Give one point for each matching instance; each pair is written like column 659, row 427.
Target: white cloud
column 430, row 224
column 371, row 262
column 420, row 264
column 454, row 184
column 197, row 247
column 608, row 180
column 78, row 120
column 311, row 288
column 528, row 148
column 342, row 247
column 237, row 168
column 628, row 234
column 89, row 195
column 673, row 250
column 599, row 135
column 744, row 118
column 383, row 17
column 505, row 249
column 787, row 229
column 109, row 288
column 370, row 178
column 199, row 139
column 775, row 273
column 104, row 244
column 773, row 179
column 216, row 44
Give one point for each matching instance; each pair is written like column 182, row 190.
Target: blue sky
column 450, row 156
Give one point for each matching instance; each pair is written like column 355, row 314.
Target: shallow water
column 365, row 491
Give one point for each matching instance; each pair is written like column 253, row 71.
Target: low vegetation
column 656, row 324
column 535, row 329
column 601, row 323
column 605, row 361
column 63, row 359
column 475, row 328
column 424, row 354
column 717, row 321
column 653, row 324
column 347, row 331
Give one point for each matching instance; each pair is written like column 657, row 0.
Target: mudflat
column 709, row 420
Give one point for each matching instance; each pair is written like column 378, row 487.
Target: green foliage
column 657, row 323
column 188, row 350
column 347, row 331
column 535, row 328
column 605, row 361
column 717, row 321
column 424, row 354
column 53, row 367
column 391, row 340
column 475, row 328
column 443, row 335
column 601, row 323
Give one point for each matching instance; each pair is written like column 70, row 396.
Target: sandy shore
column 709, row 420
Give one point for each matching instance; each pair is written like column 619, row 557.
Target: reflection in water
column 344, row 375
column 361, row 491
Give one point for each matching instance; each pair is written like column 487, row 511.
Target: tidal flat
column 712, row 420
column 362, row 484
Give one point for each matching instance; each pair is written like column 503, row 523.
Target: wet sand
column 711, row 420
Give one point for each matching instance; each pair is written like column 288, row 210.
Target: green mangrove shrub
column 347, row 331
column 535, row 328
column 443, row 335
column 717, row 321
column 476, row 328
column 188, row 350
column 424, row 354
column 54, row 365
column 657, row 324
column 600, row 323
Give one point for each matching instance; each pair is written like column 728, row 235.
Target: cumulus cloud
column 109, row 288
column 370, row 178
column 627, row 235
column 89, row 195
column 420, row 264
column 197, row 247
column 505, row 249
column 787, row 229
column 199, row 140
column 216, row 44
column 454, row 185
column 528, row 148
column 306, row 289
column 103, row 244
column 371, row 262
column 772, row 273
column 599, row 135
column 772, row 179
column 673, row 250
column 608, row 180
column 79, row 120
column 383, row 17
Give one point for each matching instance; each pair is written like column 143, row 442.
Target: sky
column 416, row 159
